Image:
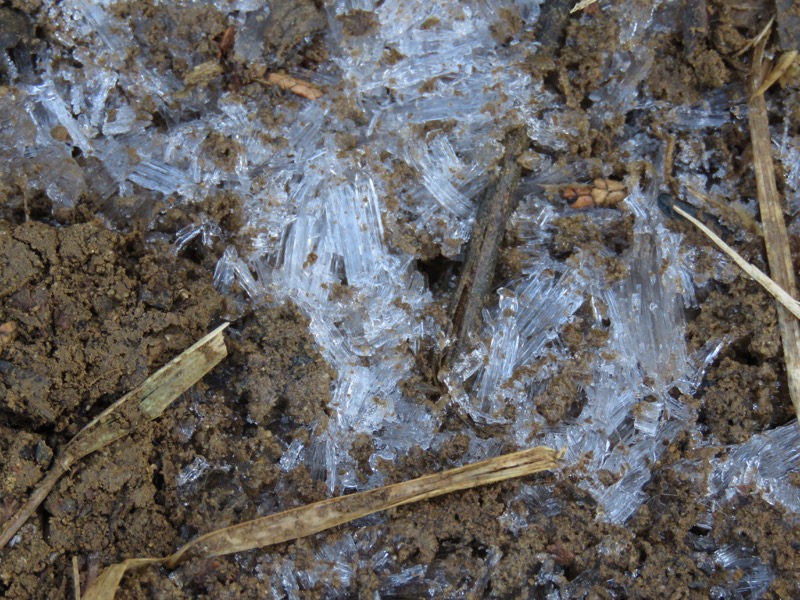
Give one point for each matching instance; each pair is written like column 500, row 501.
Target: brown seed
column 616, row 186
column 297, row 86
column 572, row 192
column 583, row 201
column 607, row 192
column 599, row 195
column 226, row 43
column 615, row 198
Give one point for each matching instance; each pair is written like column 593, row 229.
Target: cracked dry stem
column 496, row 206
column 776, row 239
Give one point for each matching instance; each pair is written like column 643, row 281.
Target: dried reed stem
column 773, row 288
column 140, row 405
column 319, row 516
column 776, row 239
column 76, row 579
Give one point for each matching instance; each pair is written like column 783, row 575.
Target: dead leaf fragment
column 296, row 86
column 583, row 4
column 142, row 404
column 203, row 73
column 319, row 516
column 226, row 43
column 785, row 62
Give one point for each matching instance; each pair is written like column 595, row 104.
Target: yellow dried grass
column 776, row 239
column 142, row 404
column 581, row 5
column 319, row 516
column 762, row 278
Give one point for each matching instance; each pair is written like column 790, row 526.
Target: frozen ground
column 357, row 207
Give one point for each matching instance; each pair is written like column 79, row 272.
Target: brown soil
column 87, row 313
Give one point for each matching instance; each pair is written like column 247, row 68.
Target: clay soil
column 90, row 310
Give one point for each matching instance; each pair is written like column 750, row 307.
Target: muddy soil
column 87, row 311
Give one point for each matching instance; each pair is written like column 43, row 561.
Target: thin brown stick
column 474, row 283
column 319, row 516
column 140, row 405
column 776, row 239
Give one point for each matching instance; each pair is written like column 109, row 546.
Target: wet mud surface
column 88, row 311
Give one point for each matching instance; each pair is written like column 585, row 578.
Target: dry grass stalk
column 319, row 516
column 140, row 405
column 76, row 578
column 776, row 239
column 735, row 213
column 773, row 288
column 781, row 68
column 581, row 5
column 296, row 86
column 761, row 35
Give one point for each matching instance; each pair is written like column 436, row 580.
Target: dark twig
column 496, row 206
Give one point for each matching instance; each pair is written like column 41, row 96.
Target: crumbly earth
column 87, row 312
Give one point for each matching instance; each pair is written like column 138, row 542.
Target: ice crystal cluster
column 320, row 218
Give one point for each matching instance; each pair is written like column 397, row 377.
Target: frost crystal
column 765, row 461
column 193, row 471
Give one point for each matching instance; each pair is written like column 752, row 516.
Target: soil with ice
column 155, row 183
